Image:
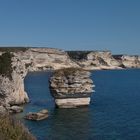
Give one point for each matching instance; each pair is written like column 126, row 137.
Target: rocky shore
column 16, row 62
column 71, row 87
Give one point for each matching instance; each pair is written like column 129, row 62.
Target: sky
column 72, row 24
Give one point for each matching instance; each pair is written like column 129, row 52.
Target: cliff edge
column 92, row 60
column 15, row 64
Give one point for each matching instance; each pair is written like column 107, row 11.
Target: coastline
column 45, row 59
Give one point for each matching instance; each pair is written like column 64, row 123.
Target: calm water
column 114, row 113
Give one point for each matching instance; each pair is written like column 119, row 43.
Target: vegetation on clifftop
column 12, row 49
column 67, row 71
column 12, row 130
column 6, row 64
column 78, row 55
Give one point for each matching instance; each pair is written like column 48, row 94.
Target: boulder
column 15, row 109
column 17, row 64
column 36, row 116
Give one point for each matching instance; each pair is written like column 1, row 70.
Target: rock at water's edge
column 72, row 102
column 41, row 115
column 15, row 109
column 71, row 87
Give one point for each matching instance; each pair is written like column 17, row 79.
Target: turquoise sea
column 114, row 112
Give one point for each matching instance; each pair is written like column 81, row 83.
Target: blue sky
column 72, row 24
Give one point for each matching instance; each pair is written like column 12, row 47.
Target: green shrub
column 67, row 71
column 5, row 64
column 13, row 49
column 13, row 130
column 78, row 55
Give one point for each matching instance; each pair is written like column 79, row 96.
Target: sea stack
column 71, row 87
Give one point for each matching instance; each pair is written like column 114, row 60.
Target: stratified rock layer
column 31, row 59
column 92, row 60
column 71, row 87
column 39, row 59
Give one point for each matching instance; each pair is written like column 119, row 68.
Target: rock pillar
column 71, row 87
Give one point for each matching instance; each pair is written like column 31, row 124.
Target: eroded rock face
column 100, row 60
column 2, row 110
column 71, row 87
column 37, row 116
column 92, row 60
column 33, row 59
column 15, row 109
column 131, row 61
column 37, row 59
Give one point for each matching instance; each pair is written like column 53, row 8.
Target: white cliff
column 33, row 59
column 37, row 59
column 71, row 87
column 45, row 58
column 99, row 60
column 104, row 60
column 131, row 61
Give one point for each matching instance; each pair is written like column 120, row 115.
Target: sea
column 113, row 114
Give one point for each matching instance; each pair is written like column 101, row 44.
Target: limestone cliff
column 100, row 60
column 91, row 60
column 38, row 59
column 33, row 59
column 129, row 61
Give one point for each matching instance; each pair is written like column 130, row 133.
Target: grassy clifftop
column 12, row 130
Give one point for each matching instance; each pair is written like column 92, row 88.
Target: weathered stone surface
column 41, row 115
column 15, row 109
column 73, row 87
column 105, row 60
column 100, row 60
column 2, row 110
column 37, row 59
column 130, row 61
column 33, row 59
